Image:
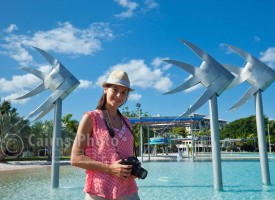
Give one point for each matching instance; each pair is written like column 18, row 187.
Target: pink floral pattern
column 101, row 148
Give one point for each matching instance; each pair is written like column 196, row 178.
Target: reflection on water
column 165, row 180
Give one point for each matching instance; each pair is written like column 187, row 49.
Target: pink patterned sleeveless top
column 101, row 148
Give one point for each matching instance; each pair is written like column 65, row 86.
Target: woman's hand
column 120, row 170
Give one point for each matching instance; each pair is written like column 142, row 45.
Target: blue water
column 194, row 180
column 166, row 180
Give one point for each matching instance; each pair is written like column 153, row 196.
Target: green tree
column 240, row 128
column 204, row 132
column 5, row 108
column 36, row 137
column 13, row 129
column 69, row 129
column 179, row 131
column 41, row 137
column 246, row 129
column 271, row 124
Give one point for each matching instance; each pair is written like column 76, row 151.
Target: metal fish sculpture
column 211, row 74
column 60, row 81
column 255, row 72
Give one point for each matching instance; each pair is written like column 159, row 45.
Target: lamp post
column 192, row 135
column 269, row 138
column 148, row 136
column 140, row 132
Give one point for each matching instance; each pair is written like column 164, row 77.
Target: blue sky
column 91, row 38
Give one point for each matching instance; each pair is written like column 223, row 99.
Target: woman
column 101, row 153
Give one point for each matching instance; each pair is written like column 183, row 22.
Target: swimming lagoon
column 169, row 179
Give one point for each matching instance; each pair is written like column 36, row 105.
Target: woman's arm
column 79, row 159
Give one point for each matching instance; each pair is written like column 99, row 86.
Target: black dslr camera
column 137, row 170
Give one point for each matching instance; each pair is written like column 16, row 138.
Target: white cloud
column 11, row 28
column 193, row 88
column 134, row 96
column 150, row 4
column 14, row 49
column 163, row 84
column 18, row 83
column 45, row 68
column 64, row 39
column 12, row 98
column 130, row 8
column 17, row 86
column 269, row 57
column 141, row 75
column 159, row 63
column 84, row 84
column 70, row 40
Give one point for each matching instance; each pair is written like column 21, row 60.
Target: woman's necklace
column 114, row 118
column 115, row 124
column 115, row 121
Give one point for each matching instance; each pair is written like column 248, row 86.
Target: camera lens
column 143, row 174
column 140, row 172
column 137, row 170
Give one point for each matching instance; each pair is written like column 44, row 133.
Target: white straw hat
column 118, row 78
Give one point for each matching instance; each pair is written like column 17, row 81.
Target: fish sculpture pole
column 216, row 79
column 259, row 76
column 61, row 82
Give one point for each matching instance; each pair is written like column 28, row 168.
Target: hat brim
column 106, row 84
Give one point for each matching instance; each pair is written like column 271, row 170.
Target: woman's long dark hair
column 102, row 101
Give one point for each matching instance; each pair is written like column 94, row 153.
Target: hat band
column 118, row 81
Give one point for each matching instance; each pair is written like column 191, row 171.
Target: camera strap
column 111, row 131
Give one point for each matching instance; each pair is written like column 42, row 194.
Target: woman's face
column 116, row 95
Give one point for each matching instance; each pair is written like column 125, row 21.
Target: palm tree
column 12, row 129
column 69, row 129
column 70, row 124
column 47, row 135
column 5, row 107
column 39, row 137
